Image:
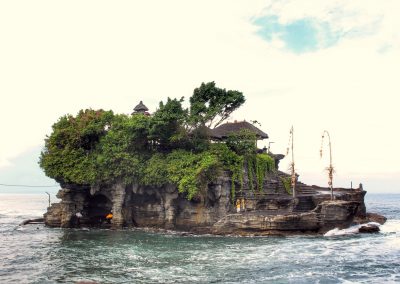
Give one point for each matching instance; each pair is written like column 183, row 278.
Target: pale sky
column 312, row 64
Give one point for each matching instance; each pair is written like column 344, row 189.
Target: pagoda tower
column 141, row 109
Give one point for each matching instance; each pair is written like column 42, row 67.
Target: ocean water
column 36, row 254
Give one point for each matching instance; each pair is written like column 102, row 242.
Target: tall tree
column 210, row 105
column 166, row 126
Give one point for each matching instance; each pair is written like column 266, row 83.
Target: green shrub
column 264, row 164
column 190, row 172
column 70, row 151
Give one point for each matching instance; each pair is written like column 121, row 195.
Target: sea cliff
column 184, row 168
column 272, row 211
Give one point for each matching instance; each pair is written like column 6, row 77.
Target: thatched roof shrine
column 140, row 108
column 223, row 131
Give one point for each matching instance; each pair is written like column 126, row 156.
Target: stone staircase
column 306, row 191
column 303, row 189
column 305, row 204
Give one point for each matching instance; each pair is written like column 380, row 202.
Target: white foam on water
column 393, row 243
column 392, row 231
column 337, row 232
column 391, row 226
column 349, row 231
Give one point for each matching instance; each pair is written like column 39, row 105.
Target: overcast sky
column 312, row 64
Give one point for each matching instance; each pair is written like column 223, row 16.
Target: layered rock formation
column 272, row 211
column 327, row 215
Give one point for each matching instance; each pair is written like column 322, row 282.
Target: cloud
column 299, row 36
column 349, row 19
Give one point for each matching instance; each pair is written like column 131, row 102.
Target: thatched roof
column 225, row 129
column 140, row 107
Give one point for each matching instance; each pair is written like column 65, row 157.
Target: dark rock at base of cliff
column 326, row 216
column 269, row 212
column 52, row 217
column 369, row 228
column 257, row 223
column 375, row 217
column 336, row 214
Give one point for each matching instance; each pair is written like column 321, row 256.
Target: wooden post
column 49, row 197
column 292, row 168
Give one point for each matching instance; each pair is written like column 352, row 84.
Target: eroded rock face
column 160, row 207
column 374, row 217
column 254, row 223
column 212, row 212
column 327, row 215
column 336, row 214
column 52, row 217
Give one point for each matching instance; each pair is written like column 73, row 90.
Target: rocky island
column 184, row 169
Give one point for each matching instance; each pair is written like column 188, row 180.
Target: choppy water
column 35, row 254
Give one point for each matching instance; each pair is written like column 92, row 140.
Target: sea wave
column 349, row 231
column 38, row 254
column 390, row 227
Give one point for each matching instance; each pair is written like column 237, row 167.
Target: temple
column 141, row 109
column 270, row 209
column 223, row 131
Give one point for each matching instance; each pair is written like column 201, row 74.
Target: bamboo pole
column 330, row 169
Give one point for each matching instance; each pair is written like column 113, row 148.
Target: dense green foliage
column 190, row 172
column 231, row 162
column 117, row 154
column 170, row 147
column 166, row 127
column 242, row 142
column 264, row 164
column 69, row 152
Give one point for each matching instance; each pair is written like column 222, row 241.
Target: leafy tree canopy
column 70, row 150
column 98, row 147
column 167, row 125
column 210, row 105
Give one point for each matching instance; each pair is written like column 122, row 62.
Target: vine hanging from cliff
column 190, row 172
column 286, row 181
column 251, row 166
column 264, row 164
column 231, row 162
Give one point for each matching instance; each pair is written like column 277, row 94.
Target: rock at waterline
column 369, row 228
column 375, row 217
